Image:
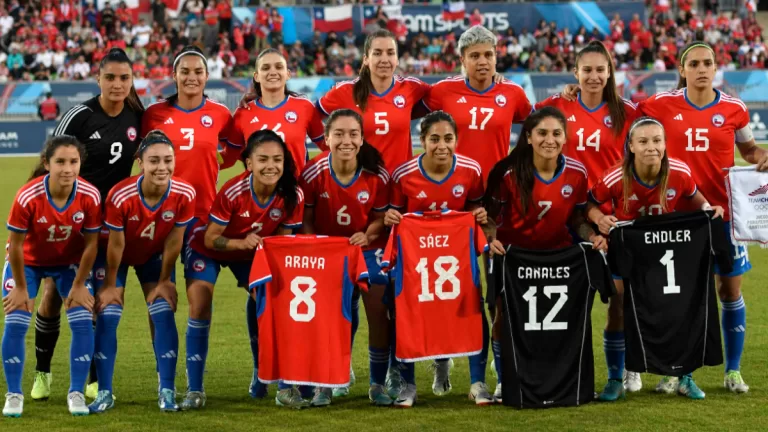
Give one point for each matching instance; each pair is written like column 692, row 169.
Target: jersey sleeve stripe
column 682, row 167
column 118, row 196
column 309, row 170
column 190, row 195
column 300, row 193
column 401, row 174
column 236, row 190
column 467, row 160
column 405, row 169
column 218, row 220
column 578, row 167
column 674, row 168
column 31, row 192
column 315, row 170
column 123, row 198
column 95, row 196
column 609, row 183
column 183, row 186
column 15, row 229
column 731, row 99
column 92, row 230
column 113, row 227
column 184, row 223
column 468, row 166
column 260, row 281
column 629, row 103
column 31, row 197
column 618, row 172
column 67, row 119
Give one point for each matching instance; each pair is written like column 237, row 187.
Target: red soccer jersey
column 196, row 135
column 484, row 119
column 305, row 309
column 644, row 198
column 703, row 138
column 236, row 208
column 146, row 228
column 339, row 209
column 387, row 118
column 414, row 191
column 54, row 235
column 591, row 140
column 294, row 119
column 545, row 224
column 437, row 285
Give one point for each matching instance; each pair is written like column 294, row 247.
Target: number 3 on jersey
column 189, row 135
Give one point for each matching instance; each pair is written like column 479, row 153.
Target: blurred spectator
column 159, row 13
column 48, row 109
column 639, row 95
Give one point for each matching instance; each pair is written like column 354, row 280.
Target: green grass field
column 229, row 371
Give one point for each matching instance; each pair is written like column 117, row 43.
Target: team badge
column 9, row 284
column 78, row 217
column 671, row 193
column 608, row 121
column 501, row 100
column 458, row 190
column 718, row 120
column 206, row 121
column 275, row 214
column 291, row 117
column 363, row 197
column 131, row 132
column 399, row 101
column 566, row 191
column 198, row 265
column 101, row 274
column 168, row 216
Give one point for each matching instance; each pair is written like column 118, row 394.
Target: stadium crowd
column 54, row 40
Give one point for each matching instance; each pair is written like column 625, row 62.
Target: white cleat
column 632, row 381
column 668, row 385
column 441, row 385
column 734, row 383
column 497, row 393
column 479, row 393
column 407, row 396
column 76, row 404
column 14, row 405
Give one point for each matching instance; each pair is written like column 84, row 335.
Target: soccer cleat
column 497, row 393
column 632, row 381
column 667, row 385
column 92, row 390
column 257, row 390
column 104, row 401
column 613, row 391
column 394, row 383
column 166, row 400
column 193, row 400
column 378, row 395
column 14, row 405
column 441, row 384
column 734, row 382
column 689, row 389
column 407, row 396
column 478, row 392
column 344, row 391
column 41, row 388
column 290, row 398
column 322, row 398
column 76, row 404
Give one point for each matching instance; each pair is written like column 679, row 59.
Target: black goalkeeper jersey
column 547, row 301
column 671, row 324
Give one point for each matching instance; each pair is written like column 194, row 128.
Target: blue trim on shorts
column 741, row 263
column 63, row 277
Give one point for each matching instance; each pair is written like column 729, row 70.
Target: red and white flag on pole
column 453, row 10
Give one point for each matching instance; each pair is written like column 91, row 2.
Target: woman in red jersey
column 54, row 222
column 541, row 193
column 648, row 182
column 264, row 200
column 347, row 192
column 440, row 179
column 146, row 216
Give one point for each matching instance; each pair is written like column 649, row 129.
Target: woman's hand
column 606, row 223
column 80, row 296
column 599, row 242
column 481, row 216
column 17, row 299
column 392, row 217
column 359, row 239
column 106, row 296
column 570, row 92
column 497, row 248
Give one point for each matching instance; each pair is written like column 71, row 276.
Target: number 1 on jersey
column 668, row 260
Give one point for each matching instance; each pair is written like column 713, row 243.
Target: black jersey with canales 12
column 547, row 356
column 670, row 308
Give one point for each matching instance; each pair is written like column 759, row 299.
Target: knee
column 729, row 289
column 17, row 323
column 200, row 297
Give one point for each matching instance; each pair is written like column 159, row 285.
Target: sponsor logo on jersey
column 198, row 265
column 566, row 191
column 462, row 100
column 78, row 217
column 95, row 136
column 9, row 284
column 458, row 190
column 254, row 120
column 422, row 195
column 131, row 132
column 134, row 218
column 168, row 215
column 291, row 116
column 206, row 121
column 399, row 101
column 633, row 197
column 671, row 194
column 718, row 120
column 501, row 100
column 275, row 214
column 363, row 197
column 101, row 273
column 608, row 121
column 42, row 220
column 678, row 117
column 168, row 121
column 572, row 118
column 759, row 191
column 245, row 214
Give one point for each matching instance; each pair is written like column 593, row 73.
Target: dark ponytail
column 610, row 93
column 363, row 86
column 519, row 163
column 49, row 148
column 287, row 184
column 117, row 55
column 368, row 157
column 187, row 50
column 256, row 85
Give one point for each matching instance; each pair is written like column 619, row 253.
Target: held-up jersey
column 547, row 337
column 304, row 308
column 591, row 138
column 545, row 225
column 344, row 209
column 196, row 135
column 237, row 208
column 670, row 306
column 110, row 142
column 146, row 228
column 484, row 119
column 703, row 138
column 437, row 285
column 414, row 191
column 644, row 198
column 387, row 118
column 293, row 119
column 54, row 236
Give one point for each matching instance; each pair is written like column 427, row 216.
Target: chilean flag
column 332, row 18
column 394, row 13
column 453, row 10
